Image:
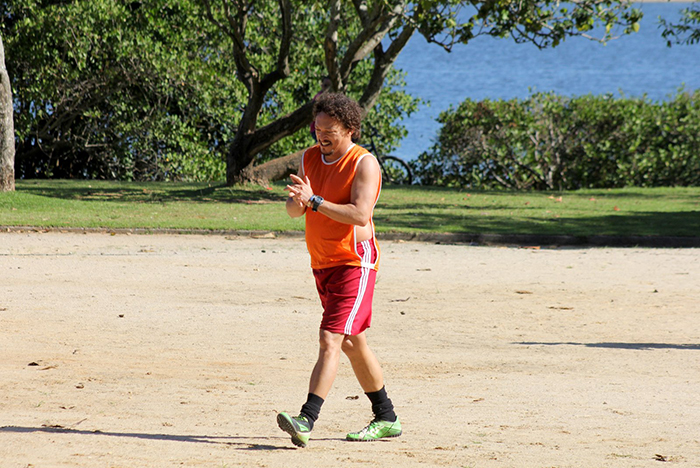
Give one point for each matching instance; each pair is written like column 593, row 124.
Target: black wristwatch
column 314, row 202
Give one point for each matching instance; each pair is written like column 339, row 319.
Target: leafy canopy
column 188, row 89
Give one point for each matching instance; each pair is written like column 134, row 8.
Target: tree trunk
column 241, row 157
column 7, row 129
column 277, row 169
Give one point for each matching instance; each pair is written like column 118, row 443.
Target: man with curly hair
column 336, row 189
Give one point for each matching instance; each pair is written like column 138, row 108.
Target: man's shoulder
column 311, row 150
column 360, row 153
column 311, row 153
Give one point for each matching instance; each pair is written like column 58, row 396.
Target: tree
column 266, row 42
column 7, row 129
column 687, row 31
column 143, row 90
column 166, row 89
column 128, row 90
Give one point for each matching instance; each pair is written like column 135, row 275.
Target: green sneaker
column 298, row 427
column 376, row 430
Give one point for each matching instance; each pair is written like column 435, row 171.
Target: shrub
column 549, row 142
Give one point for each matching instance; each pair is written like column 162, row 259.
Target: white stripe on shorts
column 364, row 277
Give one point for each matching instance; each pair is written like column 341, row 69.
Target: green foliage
column 549, row 142
column 546, row 23
column 687, row 31
column 109, row 89
column 149, row 90
column 193, row 89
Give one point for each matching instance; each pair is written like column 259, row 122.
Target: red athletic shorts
column 346, row 293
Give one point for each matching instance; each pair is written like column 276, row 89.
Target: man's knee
column 329, row 341
column 354, row 345
column 348, row 346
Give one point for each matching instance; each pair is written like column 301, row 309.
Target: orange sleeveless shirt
column 329, row 242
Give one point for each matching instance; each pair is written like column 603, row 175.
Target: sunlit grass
column 201, row 206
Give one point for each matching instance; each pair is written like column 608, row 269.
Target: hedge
column 550, row 142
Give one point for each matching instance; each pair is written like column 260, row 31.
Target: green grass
column 190, row 206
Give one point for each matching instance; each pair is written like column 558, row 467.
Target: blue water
column 632, row 65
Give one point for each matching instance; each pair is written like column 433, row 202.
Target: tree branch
column 370, row 37
column 330, row 47
column 247, row 73
column 266, row 136
column 282, row 70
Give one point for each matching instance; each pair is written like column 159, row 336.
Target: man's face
column 333, row 138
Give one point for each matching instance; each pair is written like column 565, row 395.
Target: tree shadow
column 649, row 193
column 680, row 224
column 613, row 345
column 242, row 443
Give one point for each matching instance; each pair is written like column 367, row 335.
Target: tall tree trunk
column 7, row 129
column 238, row 158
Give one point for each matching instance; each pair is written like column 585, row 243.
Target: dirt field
column 164, row 351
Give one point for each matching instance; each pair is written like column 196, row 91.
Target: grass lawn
column 153, row 205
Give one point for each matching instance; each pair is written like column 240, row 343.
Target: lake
column 634, row 65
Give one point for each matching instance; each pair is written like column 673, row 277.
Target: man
column 336, row 189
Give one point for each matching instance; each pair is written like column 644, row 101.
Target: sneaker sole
column 287, row 427
column 374, row 440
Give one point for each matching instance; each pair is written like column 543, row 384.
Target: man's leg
column 369, row 375
column 326, row 367
column 320, row 384
column 364, row 362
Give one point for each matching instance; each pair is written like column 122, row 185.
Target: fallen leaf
column 616, row 208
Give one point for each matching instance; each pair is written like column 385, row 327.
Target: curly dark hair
column 343, row 109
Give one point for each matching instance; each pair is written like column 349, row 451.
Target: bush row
column 550, row 142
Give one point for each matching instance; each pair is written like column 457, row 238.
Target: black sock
column 312, row 408
column 382, row 407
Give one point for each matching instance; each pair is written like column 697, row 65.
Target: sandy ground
column 162, row 351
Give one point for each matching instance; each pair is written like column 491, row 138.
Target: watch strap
column 315, row 201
